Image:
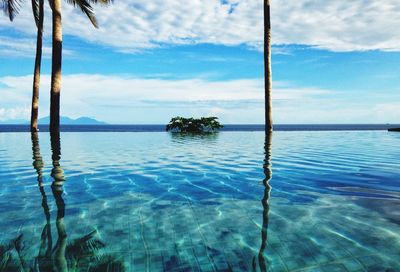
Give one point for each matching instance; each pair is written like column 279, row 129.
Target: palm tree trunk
column 60, row 260
column 56, row 67
column 265, row 200
column 267, row 66
column 57, row 173
column 36, row 73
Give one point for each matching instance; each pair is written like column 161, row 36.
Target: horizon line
column 229, row 124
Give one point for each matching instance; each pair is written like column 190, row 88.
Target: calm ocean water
column 160, row 128
column 231, row 201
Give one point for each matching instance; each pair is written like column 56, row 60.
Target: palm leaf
column 86, row 8
column 105, row 2
column 5, row 256
column 86, row 246
column 35, row 11
column 7, row 261
column 10, row 7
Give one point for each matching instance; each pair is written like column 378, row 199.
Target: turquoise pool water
column 235, row 201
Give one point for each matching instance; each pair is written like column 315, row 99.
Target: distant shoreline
column 232, row 127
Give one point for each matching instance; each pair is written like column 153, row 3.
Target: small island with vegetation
column 394, row 129
column 192, row 125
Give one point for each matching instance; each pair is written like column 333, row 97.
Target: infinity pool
column 234, row 201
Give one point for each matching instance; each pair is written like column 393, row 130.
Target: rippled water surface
column 236, row 201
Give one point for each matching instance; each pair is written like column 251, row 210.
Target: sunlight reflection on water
column 162, row 202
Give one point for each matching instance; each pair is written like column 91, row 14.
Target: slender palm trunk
column 57, row 173
column 46, row 246
column 56, row 67
column 262, row 259
column 36, row 73
column 60, row 261
column 265, row 200
column 267, row 66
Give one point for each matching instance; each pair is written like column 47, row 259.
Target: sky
column 333, row 62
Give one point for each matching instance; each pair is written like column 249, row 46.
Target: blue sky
column 332, row 62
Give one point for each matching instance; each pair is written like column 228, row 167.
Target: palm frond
column 11, row 7
column 18, row 243
column 51, row 3
column 35, row 11
column 5, row 256
column 104, row 2
column 86, row 246
column 86, row 8
column 7, row 260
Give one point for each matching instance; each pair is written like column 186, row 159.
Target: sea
column 230, row 127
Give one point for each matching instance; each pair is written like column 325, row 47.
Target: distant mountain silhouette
column 63, row 121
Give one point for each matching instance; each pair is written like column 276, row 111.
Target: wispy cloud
column 24, row 47
column 134, row 25
column 127, row 99
column 21, row 113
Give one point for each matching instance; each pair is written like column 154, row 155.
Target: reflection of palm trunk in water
column 82, row 250
column 265, row 203
column 44, row 255
column 60, row 262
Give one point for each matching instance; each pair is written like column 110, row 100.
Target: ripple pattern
column 160, row 202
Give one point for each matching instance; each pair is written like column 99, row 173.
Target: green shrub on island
column 192, row 125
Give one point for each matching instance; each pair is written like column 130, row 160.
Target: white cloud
column 24, row 47
column 126, row 99
column 21, row 113
column 133, row 25
column 20, row 47
column 339, row 25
